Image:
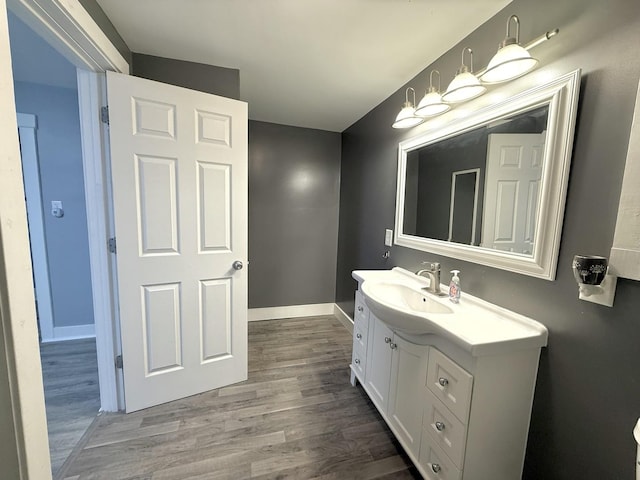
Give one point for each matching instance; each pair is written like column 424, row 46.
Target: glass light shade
column 407, row 118
column 463, row 87
column 431, row 105
column 511, row 61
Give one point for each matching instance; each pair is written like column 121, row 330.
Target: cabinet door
column 378, row 369
column 406, row 393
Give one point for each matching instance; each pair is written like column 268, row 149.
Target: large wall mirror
column 491, row 188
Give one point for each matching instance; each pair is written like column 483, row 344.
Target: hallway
column 72, row 394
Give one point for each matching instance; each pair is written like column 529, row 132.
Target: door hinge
column 119, row 361
column 112, row 245
column 104, row 115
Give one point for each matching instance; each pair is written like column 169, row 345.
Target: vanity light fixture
column 465, row 84
column 511, row 61
column 407, row 116
column 432, row 104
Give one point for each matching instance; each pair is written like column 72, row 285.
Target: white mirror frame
column 561, row 95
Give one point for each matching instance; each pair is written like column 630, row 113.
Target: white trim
column 290, row 311
column 561, row 95
column 91, row 95
column 27, row 125
column 69, row 28
column 71, row 332
column 343, row 318
column 625, row 252
column 21, row 369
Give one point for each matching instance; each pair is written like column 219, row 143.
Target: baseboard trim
column 290, row 311
column 343, row 318
column 72, row 332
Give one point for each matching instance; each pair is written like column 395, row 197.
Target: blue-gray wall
column 61, row 177
column 588, row 391
column 294, row 183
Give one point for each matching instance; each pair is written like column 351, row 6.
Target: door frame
column 27, row 127
column 67, row 26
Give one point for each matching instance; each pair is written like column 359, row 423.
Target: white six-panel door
column 179, row 166
column 512, row 184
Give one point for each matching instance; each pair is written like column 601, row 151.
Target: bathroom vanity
column 454, row 382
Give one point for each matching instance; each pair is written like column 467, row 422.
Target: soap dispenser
column 454, row 287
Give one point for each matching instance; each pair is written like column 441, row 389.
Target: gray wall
column 588, row 389
column 61, row 177
column 98, row 15
column 294, row 182
column 196, row 76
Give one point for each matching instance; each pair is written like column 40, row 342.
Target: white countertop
column 479, row 327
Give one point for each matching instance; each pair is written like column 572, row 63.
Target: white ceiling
column 310, row 63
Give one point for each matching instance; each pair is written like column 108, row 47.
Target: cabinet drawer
column 359, row 338
column 435, row 463
column 361, row 315
column 443, row 426
column 450, row 383
column 358, row 361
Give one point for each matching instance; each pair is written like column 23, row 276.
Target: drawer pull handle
column 359, row 336
column 440, row 426
column 393, row 346
column 357, row 361
column 387, row 340
column 360, row 309
column 443, row 382
column 436, row 467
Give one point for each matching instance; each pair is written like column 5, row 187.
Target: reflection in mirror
column 489, row 186
column 488, row 177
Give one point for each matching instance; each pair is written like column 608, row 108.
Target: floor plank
column 296, row 417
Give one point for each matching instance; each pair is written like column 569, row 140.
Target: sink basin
column 404, row 308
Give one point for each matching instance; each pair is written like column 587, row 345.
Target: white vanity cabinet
column 360, row 332
column 406, row 391
column 378, row 372
column 460, row 410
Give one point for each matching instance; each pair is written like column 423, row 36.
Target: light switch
column 388, row 238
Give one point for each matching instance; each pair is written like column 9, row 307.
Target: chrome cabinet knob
column 443, row 382
column 440, row 426
column 436, row 467
column 360, row 309
column 387, row 340
column 237, row 265
column 393, row 346
column 359, row 336
column 357, row 361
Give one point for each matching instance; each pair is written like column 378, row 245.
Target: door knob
column 237, row 265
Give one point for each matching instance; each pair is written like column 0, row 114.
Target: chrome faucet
column 432, row 272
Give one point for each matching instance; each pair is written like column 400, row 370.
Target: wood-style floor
column 297, row 417
column 72, row 395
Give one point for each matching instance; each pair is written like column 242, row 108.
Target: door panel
column 514, row 169
column 179, row 166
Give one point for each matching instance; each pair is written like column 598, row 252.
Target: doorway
column 45, row 85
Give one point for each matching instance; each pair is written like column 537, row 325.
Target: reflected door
column 512, row 183
column 179, row 167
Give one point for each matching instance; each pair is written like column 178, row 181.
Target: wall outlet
column 56, row 208
column 388, row 238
